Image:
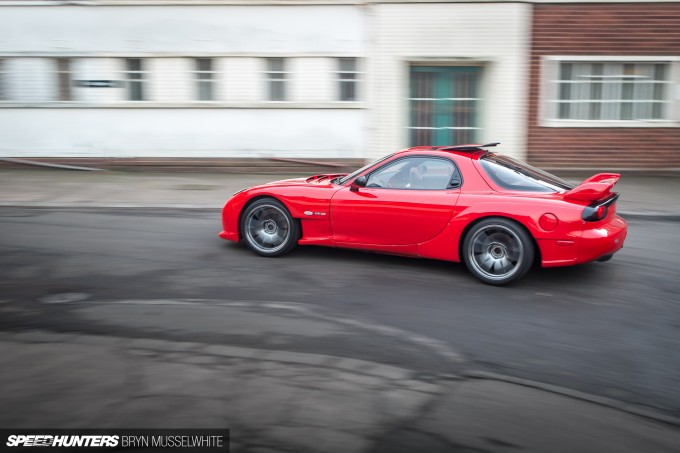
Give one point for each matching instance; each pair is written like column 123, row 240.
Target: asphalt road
column 610, row 329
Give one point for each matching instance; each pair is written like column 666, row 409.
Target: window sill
column 604, row 124
column 185, row 105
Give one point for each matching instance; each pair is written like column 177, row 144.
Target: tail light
column 599, row 210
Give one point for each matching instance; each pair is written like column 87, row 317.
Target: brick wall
column 626, row 29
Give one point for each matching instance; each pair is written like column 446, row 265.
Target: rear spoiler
column 593, row 188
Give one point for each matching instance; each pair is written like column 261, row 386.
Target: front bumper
column 228, row 236
column 230, row 218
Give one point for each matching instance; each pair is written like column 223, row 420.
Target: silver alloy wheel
column 267, row 228
column 496, row 252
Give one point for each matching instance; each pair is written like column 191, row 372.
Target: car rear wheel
column 498, row 251
column 268, row 228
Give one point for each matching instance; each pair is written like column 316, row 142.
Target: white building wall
column 134, row 132
column 386, row 38
column 100, row 122
column 182, row 29
column 495, row 36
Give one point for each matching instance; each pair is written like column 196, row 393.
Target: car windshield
column 515, row 175
column 365, row 167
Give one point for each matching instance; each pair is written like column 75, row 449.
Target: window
column 135, row 79
column 276, row 79
column 347, row 79
column 28, row 80
column 611, row 91
column 64, row 79
column 514, row 175
column 424, row 173
column 362, row 169
column 205, row 79
column 3, row 81
column 444, row 104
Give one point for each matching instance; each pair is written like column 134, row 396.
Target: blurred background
column 120, row 307
column 571, row 84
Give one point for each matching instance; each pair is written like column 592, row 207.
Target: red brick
column 626, row 29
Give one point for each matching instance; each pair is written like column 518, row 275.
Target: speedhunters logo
column 38, row 440
column 186, row 440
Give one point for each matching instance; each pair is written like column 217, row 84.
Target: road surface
column 610, row 329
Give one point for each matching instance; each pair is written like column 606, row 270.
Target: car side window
column 416, row 173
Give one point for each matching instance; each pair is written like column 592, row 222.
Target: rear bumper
column 602, row 240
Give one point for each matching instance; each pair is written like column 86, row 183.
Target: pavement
column 283, row 401
column 642, row 195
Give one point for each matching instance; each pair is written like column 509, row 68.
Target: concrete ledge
column 566, row 172
column 638, row 215
column 594, row 399
column 304, row 166
column 266, row 355
column 126, row 206
column 669, row 217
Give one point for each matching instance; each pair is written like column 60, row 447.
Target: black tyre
column 268, row 228
column 498, row 251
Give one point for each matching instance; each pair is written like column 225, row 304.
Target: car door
column 406, row 201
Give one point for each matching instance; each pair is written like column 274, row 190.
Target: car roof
column 467, row 150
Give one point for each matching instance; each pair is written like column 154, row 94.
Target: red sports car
column 454, row 203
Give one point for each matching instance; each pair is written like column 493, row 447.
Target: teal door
column 444, row 104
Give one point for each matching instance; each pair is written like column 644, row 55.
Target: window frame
column 141, row 72
column 548, row 184
column 3, row 80
column 283, row 78
column 64, row 79
column 118, row 96
column 439, row 119
column 209, row 82
column 549, row 78
column 362, row 171
column 456, row 170
column 354, row 81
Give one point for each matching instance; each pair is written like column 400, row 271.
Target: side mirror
column 358, row 182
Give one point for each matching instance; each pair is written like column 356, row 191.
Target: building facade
column 605, row 85
column 146, row 79
column 448, row 73
column 563, row 84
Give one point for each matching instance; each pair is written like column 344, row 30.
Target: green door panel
column 443, row 105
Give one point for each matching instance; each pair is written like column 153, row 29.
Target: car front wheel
column 268, row 228
column 498, row 251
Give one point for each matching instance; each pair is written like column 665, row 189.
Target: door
column 407, row 201
column 444, row 104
